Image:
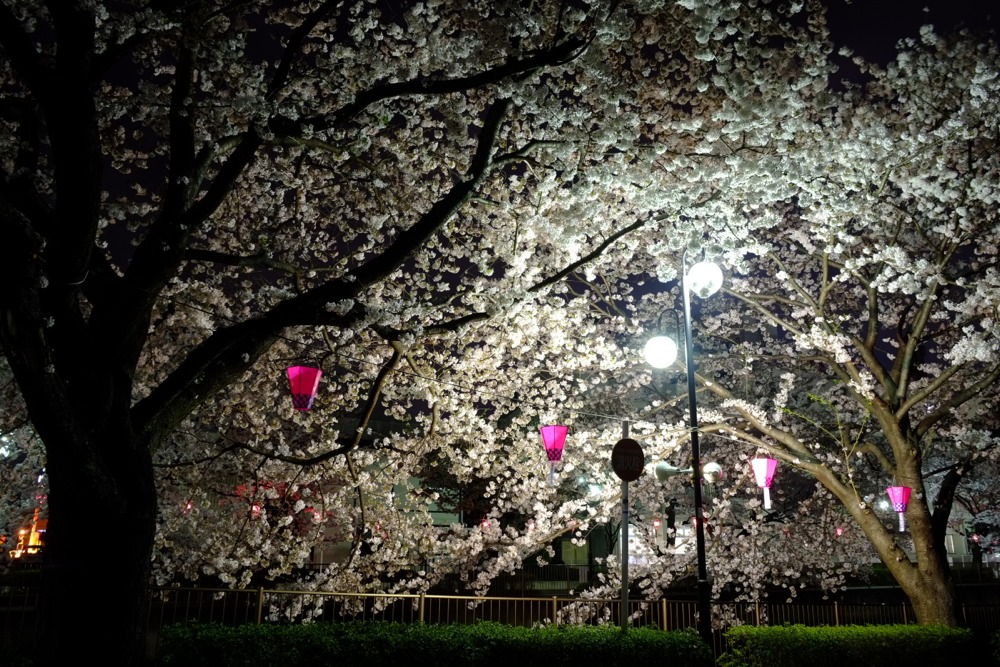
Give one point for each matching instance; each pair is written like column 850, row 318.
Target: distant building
column 30, row 540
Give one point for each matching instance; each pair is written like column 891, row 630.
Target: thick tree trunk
column 918, row 564
column 924, row 576
column 936, row 604
column 931, row 592
column 96, row 568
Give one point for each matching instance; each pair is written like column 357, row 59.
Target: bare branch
column 957, row 399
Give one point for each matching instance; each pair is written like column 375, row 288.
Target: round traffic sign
column 627, row 459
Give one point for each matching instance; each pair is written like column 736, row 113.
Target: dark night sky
column 872, row 27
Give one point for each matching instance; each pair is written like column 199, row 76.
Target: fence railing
column 18, row 611
column 18, row 616
column 228, row 606
column 286, row 606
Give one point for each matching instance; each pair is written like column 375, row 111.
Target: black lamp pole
column 704, row 585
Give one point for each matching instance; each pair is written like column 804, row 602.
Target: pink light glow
column 763, row 472
column 899, row 496
column 554, row 437
column 304, row 382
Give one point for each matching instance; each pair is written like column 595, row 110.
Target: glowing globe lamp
column 704, row 279
column 660, row 351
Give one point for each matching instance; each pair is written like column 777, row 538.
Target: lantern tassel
column 552, row 473
column 902, row 522
column 767, row 498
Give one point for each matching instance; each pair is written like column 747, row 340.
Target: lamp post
column 706, row 279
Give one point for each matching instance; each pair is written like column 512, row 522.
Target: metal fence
column 288, row 606
column 18, row 616
column 234, row 607
column 18, row 611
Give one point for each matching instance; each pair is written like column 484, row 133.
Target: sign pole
column 628, row 462
column 624, row 555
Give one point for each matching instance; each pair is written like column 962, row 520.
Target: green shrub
column 858, row 646
column 375, row 644
column 205, row 644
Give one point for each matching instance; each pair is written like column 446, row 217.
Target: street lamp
column 705, row 279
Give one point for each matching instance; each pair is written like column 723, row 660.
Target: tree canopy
column 471, row 216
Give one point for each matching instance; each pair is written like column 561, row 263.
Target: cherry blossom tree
column 859, row 339
column 856, row 340
column 193, row 192
column 464, row 214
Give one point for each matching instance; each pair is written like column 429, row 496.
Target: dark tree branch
column 946, row 498
column 367, row 412
column 284, row 68
column 181, row 134
column 207, row 369
column 459, row 322
column 258, row 261
column 583, row 261
column 305, row 308
column 230, row 351
column 511, row 69
column 208, row 458
column 23, row 55
column 158, row 256
column 957, row 399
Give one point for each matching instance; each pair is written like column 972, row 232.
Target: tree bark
column 934, row 602
column 926, row 580
column 924, row 575
column 96, row 564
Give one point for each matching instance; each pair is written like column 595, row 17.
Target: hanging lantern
column 899, row 496
column 554, row 437
column 304, row 381
column 763, row 471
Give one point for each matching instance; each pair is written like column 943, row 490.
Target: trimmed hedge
column 375, row 644
column 857, row 646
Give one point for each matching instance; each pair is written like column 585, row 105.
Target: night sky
column 872, row 27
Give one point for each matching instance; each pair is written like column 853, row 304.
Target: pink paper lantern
column 554, row 438
column 304, row 381
column 899, row 496
column 763, row 471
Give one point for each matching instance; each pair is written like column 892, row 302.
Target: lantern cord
column 81, row 280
